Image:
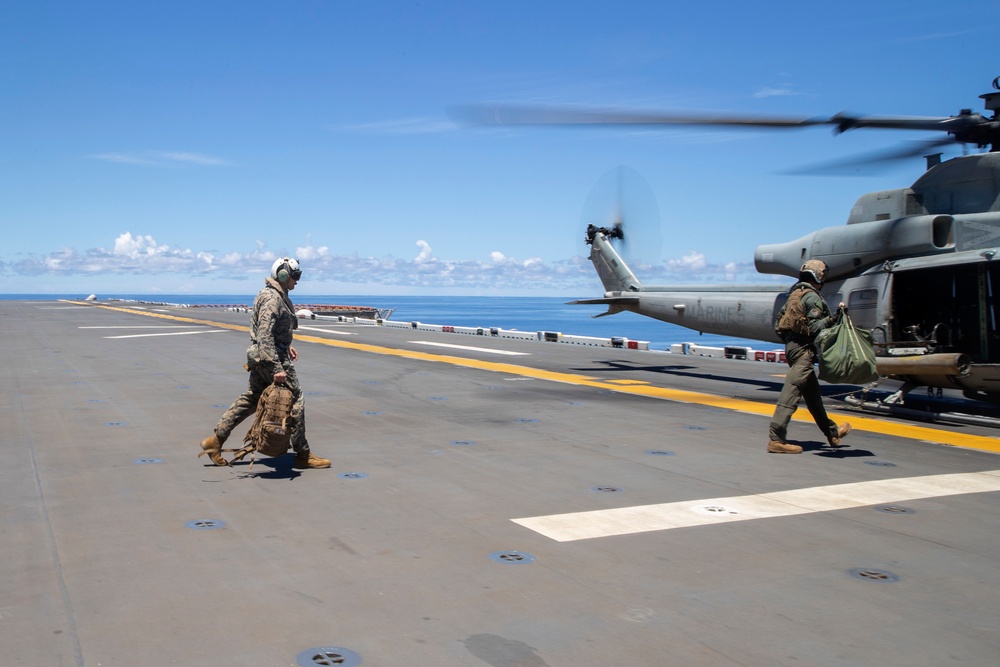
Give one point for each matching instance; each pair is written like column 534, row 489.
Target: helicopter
column 914, row 265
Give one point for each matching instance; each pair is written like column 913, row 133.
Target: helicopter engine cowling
column 852, row 248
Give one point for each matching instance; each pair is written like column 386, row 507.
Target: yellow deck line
column 912, row 431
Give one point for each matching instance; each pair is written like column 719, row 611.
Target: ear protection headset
column 283, row 273
column 286, row 268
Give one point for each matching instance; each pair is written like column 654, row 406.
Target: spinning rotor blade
column 622, row 198
column 967, row 127
column 528, row 115
column 951, row 124
column 858, row 163
column 540, row 115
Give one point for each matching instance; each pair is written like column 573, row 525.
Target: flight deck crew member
column 270, row 359
column 803, row 316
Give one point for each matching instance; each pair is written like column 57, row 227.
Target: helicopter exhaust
column 953, row 364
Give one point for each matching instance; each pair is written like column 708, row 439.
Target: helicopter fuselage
column 916, row 266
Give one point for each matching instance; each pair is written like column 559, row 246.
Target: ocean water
column 521, row 313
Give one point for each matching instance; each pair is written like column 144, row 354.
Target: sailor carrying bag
column 846, row 354
column 271, row 433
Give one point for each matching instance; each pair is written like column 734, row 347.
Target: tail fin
column 611, row 268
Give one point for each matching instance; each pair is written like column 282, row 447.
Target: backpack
column 271, row 433
column 792, row 317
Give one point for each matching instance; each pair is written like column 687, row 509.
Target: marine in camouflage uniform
column 270, row 358
column 800, row 354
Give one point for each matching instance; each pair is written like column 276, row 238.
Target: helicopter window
column 915, row 204
column 863, row 298
column 861, row 304
column 975, row 196
column 939, row 202
column 970, row 197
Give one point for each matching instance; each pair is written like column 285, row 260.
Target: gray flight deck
column 567, row 505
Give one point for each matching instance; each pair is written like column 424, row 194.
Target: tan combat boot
column 310, row 460
column 842, row 430
column 775, row 447
column 213, row 447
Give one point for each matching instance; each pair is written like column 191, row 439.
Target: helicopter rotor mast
column 966, row 128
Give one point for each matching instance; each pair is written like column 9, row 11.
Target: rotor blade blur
column 846, row 122
column 867, row 163
column 539, row 115
column 623, row 197
column 568, row 116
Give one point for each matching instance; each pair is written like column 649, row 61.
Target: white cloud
column 425, row 252
column 693, row 260
column 129, row 246
column 135, row 256
column 421, row 125
column 161, row 158
column 122, row 158
column 936, row 36
column 309, row 252
column 775, row 91
column 192, row 158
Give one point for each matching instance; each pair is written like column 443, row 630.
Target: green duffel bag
column 846, row 355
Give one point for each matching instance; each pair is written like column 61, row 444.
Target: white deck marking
column 469, row 347
column 329, row 331
column 141, row 326
column 646, row 518
column 173, row 333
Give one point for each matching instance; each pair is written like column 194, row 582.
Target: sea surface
column 505, row 312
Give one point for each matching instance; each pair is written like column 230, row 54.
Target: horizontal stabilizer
column 616, row 304
column 609, row 300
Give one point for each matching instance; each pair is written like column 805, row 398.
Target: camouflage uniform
column 801, row 381
column 271, row 326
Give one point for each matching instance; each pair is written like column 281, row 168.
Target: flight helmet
column 286, row 268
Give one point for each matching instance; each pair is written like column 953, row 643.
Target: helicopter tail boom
column 611, row 268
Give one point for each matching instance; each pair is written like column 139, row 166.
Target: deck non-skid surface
column 491, row 502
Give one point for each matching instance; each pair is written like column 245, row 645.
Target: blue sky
column 180, row 147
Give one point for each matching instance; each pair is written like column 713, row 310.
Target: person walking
column 270, row 358
column 803, row 316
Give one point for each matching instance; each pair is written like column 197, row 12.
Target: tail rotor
column 622, row 206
